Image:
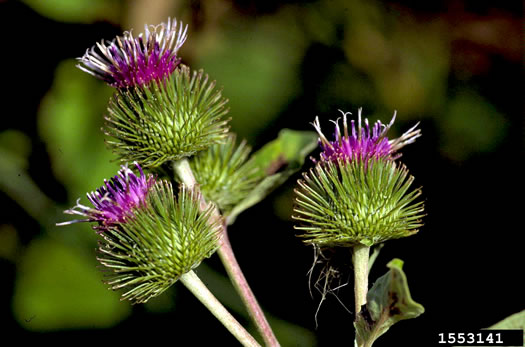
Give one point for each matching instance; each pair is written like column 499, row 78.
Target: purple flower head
column 116, row 200
column 363, row 143
column 128, row 61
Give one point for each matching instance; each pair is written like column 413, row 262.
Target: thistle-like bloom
column 357, row 193
column 129, row 61
column 150, row 236
column 363, row 143
column 115, row 201
column 169, row 237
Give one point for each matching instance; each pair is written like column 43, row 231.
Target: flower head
column 363, row 143
column 116, row 200
column 168, row 238
column 345, row 201
column 150, row 236
column 128, row 61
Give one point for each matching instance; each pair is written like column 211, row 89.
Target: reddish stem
column 241, row 285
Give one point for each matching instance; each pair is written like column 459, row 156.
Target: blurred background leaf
column 59, row 287
column 81, row 11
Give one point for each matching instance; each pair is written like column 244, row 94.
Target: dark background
column 455, row 66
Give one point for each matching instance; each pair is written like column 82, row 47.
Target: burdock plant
column 358, row 196
column 166, row 117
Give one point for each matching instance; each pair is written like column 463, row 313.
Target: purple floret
column 116, row 200
column 128, row 61
column 363, row 143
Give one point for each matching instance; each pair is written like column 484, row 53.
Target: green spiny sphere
column 225, row 174
column 165, row 238
column 166, row 120
column 346, row 203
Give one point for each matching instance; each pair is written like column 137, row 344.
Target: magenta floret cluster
column 362, row 143
column 115, row 200
column 128, row 61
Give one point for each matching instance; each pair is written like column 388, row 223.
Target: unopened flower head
column 225, row 173
column 115, row 201
column 128, row 61
column 363, row 143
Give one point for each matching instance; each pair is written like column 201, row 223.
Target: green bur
column 164, row 239
column 166, row 120
column 235, row 180
column 348, row 203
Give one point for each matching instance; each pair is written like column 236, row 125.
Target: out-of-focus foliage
column 59, row 287
column 70, row 118
column 257, row 63
column 53, row 275
column 78, row 11
column 470, row 125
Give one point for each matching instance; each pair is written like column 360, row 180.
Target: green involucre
column 348, row 203
column 225, row 174
column 166, row 120
column 164, row 239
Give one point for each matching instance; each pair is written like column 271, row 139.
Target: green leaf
column 69, row 122
column 277, row 161
column 515, row 321
column 58, row 287
column 388, row 302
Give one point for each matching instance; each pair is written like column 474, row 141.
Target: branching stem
column 183, row 170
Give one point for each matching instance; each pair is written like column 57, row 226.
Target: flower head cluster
column 363, row 143
column 116, row 200
column 128, row 61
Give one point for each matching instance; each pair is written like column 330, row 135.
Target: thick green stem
column 360, row 261
column 195, row 285
column 183, row 169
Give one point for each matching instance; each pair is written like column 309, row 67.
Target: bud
column 225, row 174
column 150, row 236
